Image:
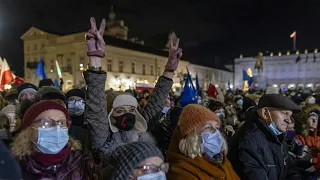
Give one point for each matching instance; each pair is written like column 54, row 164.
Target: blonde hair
column 191, row 145
column 22, row 144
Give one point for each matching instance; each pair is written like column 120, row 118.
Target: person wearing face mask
column 259, row 150
column 115, row 120
column 136, row 161
column 76, row 109
column 44, row 148
column 197, row 149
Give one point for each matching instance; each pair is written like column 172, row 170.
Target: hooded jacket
column 103, row 140
column 183, row 167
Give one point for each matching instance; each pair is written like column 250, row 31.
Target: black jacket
column 256, row 153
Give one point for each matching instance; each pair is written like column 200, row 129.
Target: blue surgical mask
column 75, row 108
column 153, row 176
column 165, row 109
column 240, row 102
column 211, row 143
column 273, row 126
column 52, row 140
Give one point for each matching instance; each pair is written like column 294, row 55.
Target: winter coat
column 78, row 130
column 103, row 141
column 76, row 166
column 183, row 167
column 256, row 153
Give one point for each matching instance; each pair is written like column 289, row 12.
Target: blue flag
column 40, row 71
column 197, row 83
column 56, row 84
column 189, row 94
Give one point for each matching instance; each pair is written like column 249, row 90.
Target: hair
column 191, row 145
column 22, row 144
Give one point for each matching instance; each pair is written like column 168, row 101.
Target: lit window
column 109, row 65
column 151, row 69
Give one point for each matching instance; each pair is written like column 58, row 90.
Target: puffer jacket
column 183, row 167
column 256, row 153
column 76, row 166
column 97, row 115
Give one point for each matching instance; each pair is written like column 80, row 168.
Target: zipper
column 54, row 169
column 282, row 151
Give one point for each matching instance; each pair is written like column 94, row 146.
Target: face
column 27, row 95
column 313, row 122
column 155, row 163
column 281, row 118
column 168, row 102
column 209, row 126
column 47, row 119
column 122, row 110
column 15, row 121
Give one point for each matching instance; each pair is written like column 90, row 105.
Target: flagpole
column 294, row 42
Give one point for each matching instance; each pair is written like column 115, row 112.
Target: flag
column 56, row 84
column 18, row 81
column 197, row 83
column 298, row 59
column 58, row 69
column 212, row 91
column 6, row 74
column 40, row 71
column 246, row 77
column 294, row 34
column 306, row 58
column 189, row 94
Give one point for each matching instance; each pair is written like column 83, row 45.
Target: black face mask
column 125, row 122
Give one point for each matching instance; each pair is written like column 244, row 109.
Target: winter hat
column 49, row 93
column 26, row 87
column 75, row 92
column 117, row 99
column 10, row 109
column 126, row 158
column 36, row 109
column 12, row 94
column 45, row 82
column 194, row 115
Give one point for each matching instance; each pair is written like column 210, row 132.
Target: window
column 109, row 65
column 133, row 68
column 69, row 62
column 42, row 45
column 120, row 66
column 151, row 69
column 143, row 69
column 35, row 47
column 28, row 48
column 158, row 71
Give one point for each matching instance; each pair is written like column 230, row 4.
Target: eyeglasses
column 46, row 122
column 149, row 169
column 76, row 100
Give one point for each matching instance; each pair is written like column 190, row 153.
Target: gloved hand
column 175, row 54
column 95, row 41
column 303, row 153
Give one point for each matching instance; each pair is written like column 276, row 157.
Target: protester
column 12, row 97
column 259, row 150
column 26, row 91
column 45, row 82
column 13, row 114
column 44, row 148
column 136, row 160
column 9, row 168
column 197, row 149
column 76, row 109
column 50, row 93
column 120, row 122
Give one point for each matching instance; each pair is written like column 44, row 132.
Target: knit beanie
column 36, row 109
column 75, row 92
column 26, row 87
column 45, row 82
column 126, row 158
column 194, row 115
column 10, row 109
column 12, row 94
column 48, row 93
column 117, row 99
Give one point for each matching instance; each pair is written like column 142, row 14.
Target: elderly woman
column 44, row 148
column 137, row 160
column 197, row 149
column 115, row 120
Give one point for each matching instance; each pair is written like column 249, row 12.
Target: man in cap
column 259, row 150
column 26, row 91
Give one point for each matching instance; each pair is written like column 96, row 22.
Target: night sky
column 212, row 32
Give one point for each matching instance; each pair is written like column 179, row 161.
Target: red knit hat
column 194, row 115
column 36, row 109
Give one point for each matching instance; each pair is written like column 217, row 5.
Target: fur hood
column 301, row 118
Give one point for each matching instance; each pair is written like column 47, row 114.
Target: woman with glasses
column 44, row 148
column 198, row 149
column 136, row 161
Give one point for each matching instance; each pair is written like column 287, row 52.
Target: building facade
column 128, row 62
column 283, row 70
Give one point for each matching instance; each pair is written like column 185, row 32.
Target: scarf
column 51, row 159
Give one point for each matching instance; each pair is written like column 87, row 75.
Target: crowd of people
column 91, row 133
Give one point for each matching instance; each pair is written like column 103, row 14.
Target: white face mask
column 154, row 176
column 312, row 100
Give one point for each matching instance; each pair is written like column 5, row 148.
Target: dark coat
column 76, row 166
column 256, row 153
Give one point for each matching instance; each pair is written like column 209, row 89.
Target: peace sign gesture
column 95, row 41
column 175, row 54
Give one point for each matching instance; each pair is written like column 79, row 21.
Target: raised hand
column 175, row 54
column 95, row 41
